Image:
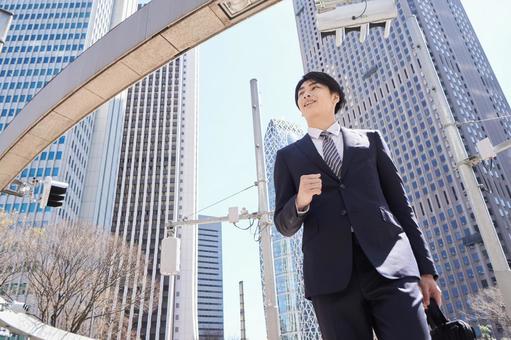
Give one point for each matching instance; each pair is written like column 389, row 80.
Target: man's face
column 315, row 100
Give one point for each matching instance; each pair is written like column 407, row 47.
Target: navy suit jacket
column 369, row 196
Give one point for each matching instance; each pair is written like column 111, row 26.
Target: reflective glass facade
column 386, row 89
column 297, row 319
column 210, row 302
column 44, row 37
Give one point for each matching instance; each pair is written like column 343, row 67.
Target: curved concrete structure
column 151, row 37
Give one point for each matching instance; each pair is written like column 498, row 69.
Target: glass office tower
column 210, row 301
column 44, row 37
column 386, row 89
column 297, row 319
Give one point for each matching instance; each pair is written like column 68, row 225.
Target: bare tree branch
column 74, row 273
column 489, row 307
column 11, row 244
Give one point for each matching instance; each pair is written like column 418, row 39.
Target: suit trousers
column 393, row 308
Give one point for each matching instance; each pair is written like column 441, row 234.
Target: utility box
column 234, row 215
column 170, row 260
column 486, row 149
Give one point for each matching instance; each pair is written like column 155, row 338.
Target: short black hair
column 324, row 79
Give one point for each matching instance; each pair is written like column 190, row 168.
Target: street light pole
column 170, row 248
column 270, row 294
column 5, row 22
column 464, row 163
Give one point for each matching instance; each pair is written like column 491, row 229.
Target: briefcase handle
column 435, row 316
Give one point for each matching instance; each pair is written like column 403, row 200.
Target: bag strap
column 435, row 316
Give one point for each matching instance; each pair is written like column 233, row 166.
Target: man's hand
column 430, row 289
column 310, row 185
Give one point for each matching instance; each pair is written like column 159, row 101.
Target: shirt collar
column 334, row 129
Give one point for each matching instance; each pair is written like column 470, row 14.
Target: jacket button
column 343, row 212
column 342, row 186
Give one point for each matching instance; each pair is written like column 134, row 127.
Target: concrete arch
column 154, row 35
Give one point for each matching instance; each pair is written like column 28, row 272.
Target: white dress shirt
column 336, row 135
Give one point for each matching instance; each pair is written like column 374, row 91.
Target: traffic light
column 53, row 194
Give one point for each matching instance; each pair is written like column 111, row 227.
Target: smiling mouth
column 309, row 103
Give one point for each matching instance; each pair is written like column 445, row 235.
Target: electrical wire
column 481, row 120
column 220, row 201
column 484, row 165
column 363, row 12
column 251, row 223
column 258, row 231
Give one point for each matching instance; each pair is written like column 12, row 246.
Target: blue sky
column 266, row 47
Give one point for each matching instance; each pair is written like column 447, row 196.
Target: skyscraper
column 297, row 319
column 385, row 85
column 44, row 37
column 210, row 305
column 156, row 183
column 105, row 146
column 154, row 123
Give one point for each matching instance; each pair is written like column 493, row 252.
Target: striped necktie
column 330, row 154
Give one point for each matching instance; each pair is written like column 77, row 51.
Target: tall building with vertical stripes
column 210, row 292
column 45, row 36
column 105, row 145
column 156, row 183
column 386, row 89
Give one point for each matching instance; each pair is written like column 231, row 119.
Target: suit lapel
column 307, row 147
column 349, row 141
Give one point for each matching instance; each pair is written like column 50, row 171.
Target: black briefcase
column 443, row 329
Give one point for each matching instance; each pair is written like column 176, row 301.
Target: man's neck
column 323, row 124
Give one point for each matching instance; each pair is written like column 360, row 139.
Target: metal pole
column 243, row 333
column 270, row 295
column 502, row 146
column 488, row 233
column 171, row 305
column 5, row 22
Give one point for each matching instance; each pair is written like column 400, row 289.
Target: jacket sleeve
column 286, row 218
column 393, row 189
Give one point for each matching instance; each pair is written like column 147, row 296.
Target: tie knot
column 325, row 134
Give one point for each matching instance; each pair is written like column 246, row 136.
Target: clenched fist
column 310, row 185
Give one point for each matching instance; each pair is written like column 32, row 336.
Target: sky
column 265, row 47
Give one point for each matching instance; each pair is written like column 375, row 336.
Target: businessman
column 366, row 264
